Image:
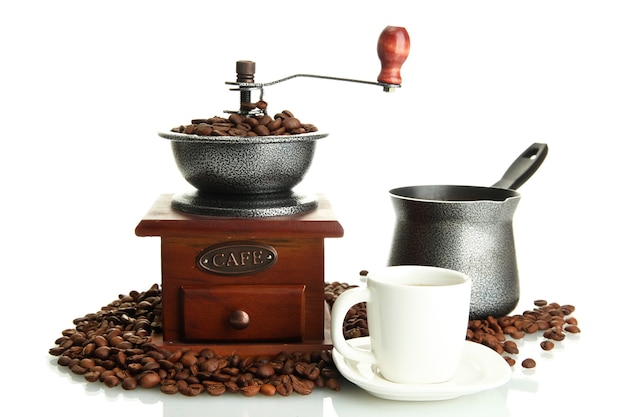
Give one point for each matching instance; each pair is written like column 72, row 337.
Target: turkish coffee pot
column 468, row 229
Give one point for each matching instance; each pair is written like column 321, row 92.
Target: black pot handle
column 523, row 167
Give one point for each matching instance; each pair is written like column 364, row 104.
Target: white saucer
column 481, row 369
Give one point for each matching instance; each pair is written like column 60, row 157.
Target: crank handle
column 393, row 49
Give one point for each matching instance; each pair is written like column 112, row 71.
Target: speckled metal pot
column 474, row 237
column 243, row 165
column 468, row 229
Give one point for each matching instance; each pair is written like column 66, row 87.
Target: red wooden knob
column 393, row 49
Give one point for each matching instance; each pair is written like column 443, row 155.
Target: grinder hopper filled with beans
column 248, row 152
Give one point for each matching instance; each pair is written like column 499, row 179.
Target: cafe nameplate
column 235, row 258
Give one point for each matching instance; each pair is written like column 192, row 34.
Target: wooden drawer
column 249, row 313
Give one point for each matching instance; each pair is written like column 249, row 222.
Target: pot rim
column 184, row 137
column 505, row 194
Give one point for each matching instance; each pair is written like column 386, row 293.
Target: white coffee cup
column 417, row 320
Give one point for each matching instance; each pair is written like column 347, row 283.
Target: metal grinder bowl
column 243, row 165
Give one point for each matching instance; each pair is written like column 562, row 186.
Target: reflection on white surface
column 356, row 402
column 349, row 402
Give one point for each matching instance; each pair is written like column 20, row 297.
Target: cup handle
column 342, row 304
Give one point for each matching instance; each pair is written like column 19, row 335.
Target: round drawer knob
column 239, row 320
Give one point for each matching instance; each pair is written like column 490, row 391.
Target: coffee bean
column 99, row 340
column 151, row 366
column 221, row 377
column 230, row 370
column 64, row 360
column 268, row 389
column 88, row 349
column 129, row 383
column 509, row 360
column 57, row 351
column 250, row 390
column 78, row 370
column 284, row 389
column 275, row 124
column 204, row 130
column 265, row 370
column 261, row 130
column 191, row 390
column 333, row 384
column 116, row 340
column 231, row 386
column 189, row 359
column 312, row 371
column 238, row 132
column 111, row 381
column 529, row 363
column 300, row 386
column 281, row 131
column 264, row 120
column 169, row 387
column 542, row 324
column 555, row 333
column 149, row 379
column 510, row 347
column 236, row 118
column 291, row 123
column 248, row 106
column 92, row 376
column 208, row 365
column 531, row 328
column 518, row 335
column 214, row 388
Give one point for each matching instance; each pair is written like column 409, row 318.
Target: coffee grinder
column 242, row 255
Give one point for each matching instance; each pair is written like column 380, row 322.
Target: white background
column 86, row 86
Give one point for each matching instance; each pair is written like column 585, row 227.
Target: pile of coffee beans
column 551, row 320
column 355, row 323
column 113, row 347
column 283, row 123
